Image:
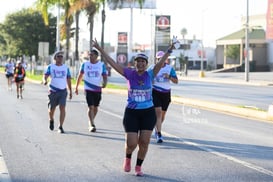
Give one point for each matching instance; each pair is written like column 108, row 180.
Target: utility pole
column 202, row 73
column 130, row 48
column 58, row 29
column 247, row 45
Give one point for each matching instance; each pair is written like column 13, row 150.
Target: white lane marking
column 4, row 174
column 202, row 147
column 110, row 113
column 228, row 157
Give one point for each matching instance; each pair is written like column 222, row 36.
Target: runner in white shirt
column 162, row 93
column 9, row 69
column 60, row 80
column 94, row 75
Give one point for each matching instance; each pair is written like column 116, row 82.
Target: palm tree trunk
column 91, row 21
column 67, row 27
column 102, row 22
column 77, row 36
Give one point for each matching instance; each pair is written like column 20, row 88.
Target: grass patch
column 37, row 77
column 113, row 86
column 252, row 107
column 34, row 76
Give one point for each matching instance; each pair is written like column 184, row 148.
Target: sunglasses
column 59, row 56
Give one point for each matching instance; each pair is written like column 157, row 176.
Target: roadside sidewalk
column 255, row 78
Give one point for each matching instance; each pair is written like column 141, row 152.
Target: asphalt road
column 199, row 145
column 227, row 88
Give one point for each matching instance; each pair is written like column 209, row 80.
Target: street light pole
column 202, row 73
column 58, row 29
column 247, row 45
column 130, row 48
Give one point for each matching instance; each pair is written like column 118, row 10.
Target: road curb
column 225, row 108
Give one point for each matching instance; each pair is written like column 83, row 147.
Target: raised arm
column 159, row 64
column 107, row 58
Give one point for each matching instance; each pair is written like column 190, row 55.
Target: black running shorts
column 136, row 120
column 161, row 99
column 93, row 98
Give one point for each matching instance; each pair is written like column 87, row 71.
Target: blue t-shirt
column 139, row 89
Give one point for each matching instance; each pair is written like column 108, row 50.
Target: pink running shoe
column 127, row 165
column 138, row 171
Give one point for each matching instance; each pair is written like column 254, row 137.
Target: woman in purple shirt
column 139, row 117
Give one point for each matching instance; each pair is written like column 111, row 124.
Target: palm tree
column 118, row 3
column 70, row 7
column 77, row 16
column 77, row 7
column 91, row 11
column 44, row 5
column 67, row 25
column 184, row 32
column 91, row 7
column 102, row 23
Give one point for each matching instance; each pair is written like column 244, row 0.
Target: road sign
column 43, row 49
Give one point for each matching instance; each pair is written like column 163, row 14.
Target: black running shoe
column 51, row 125
column 92, row 128
column 159, row 139
column 61, row 130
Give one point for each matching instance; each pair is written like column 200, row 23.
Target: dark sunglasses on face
column 59, row 56
column 91, row 54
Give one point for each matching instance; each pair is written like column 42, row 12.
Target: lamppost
column 202, row 73
column 247, row 45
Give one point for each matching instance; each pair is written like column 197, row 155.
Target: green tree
column 22, row 31
column 233, row 51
